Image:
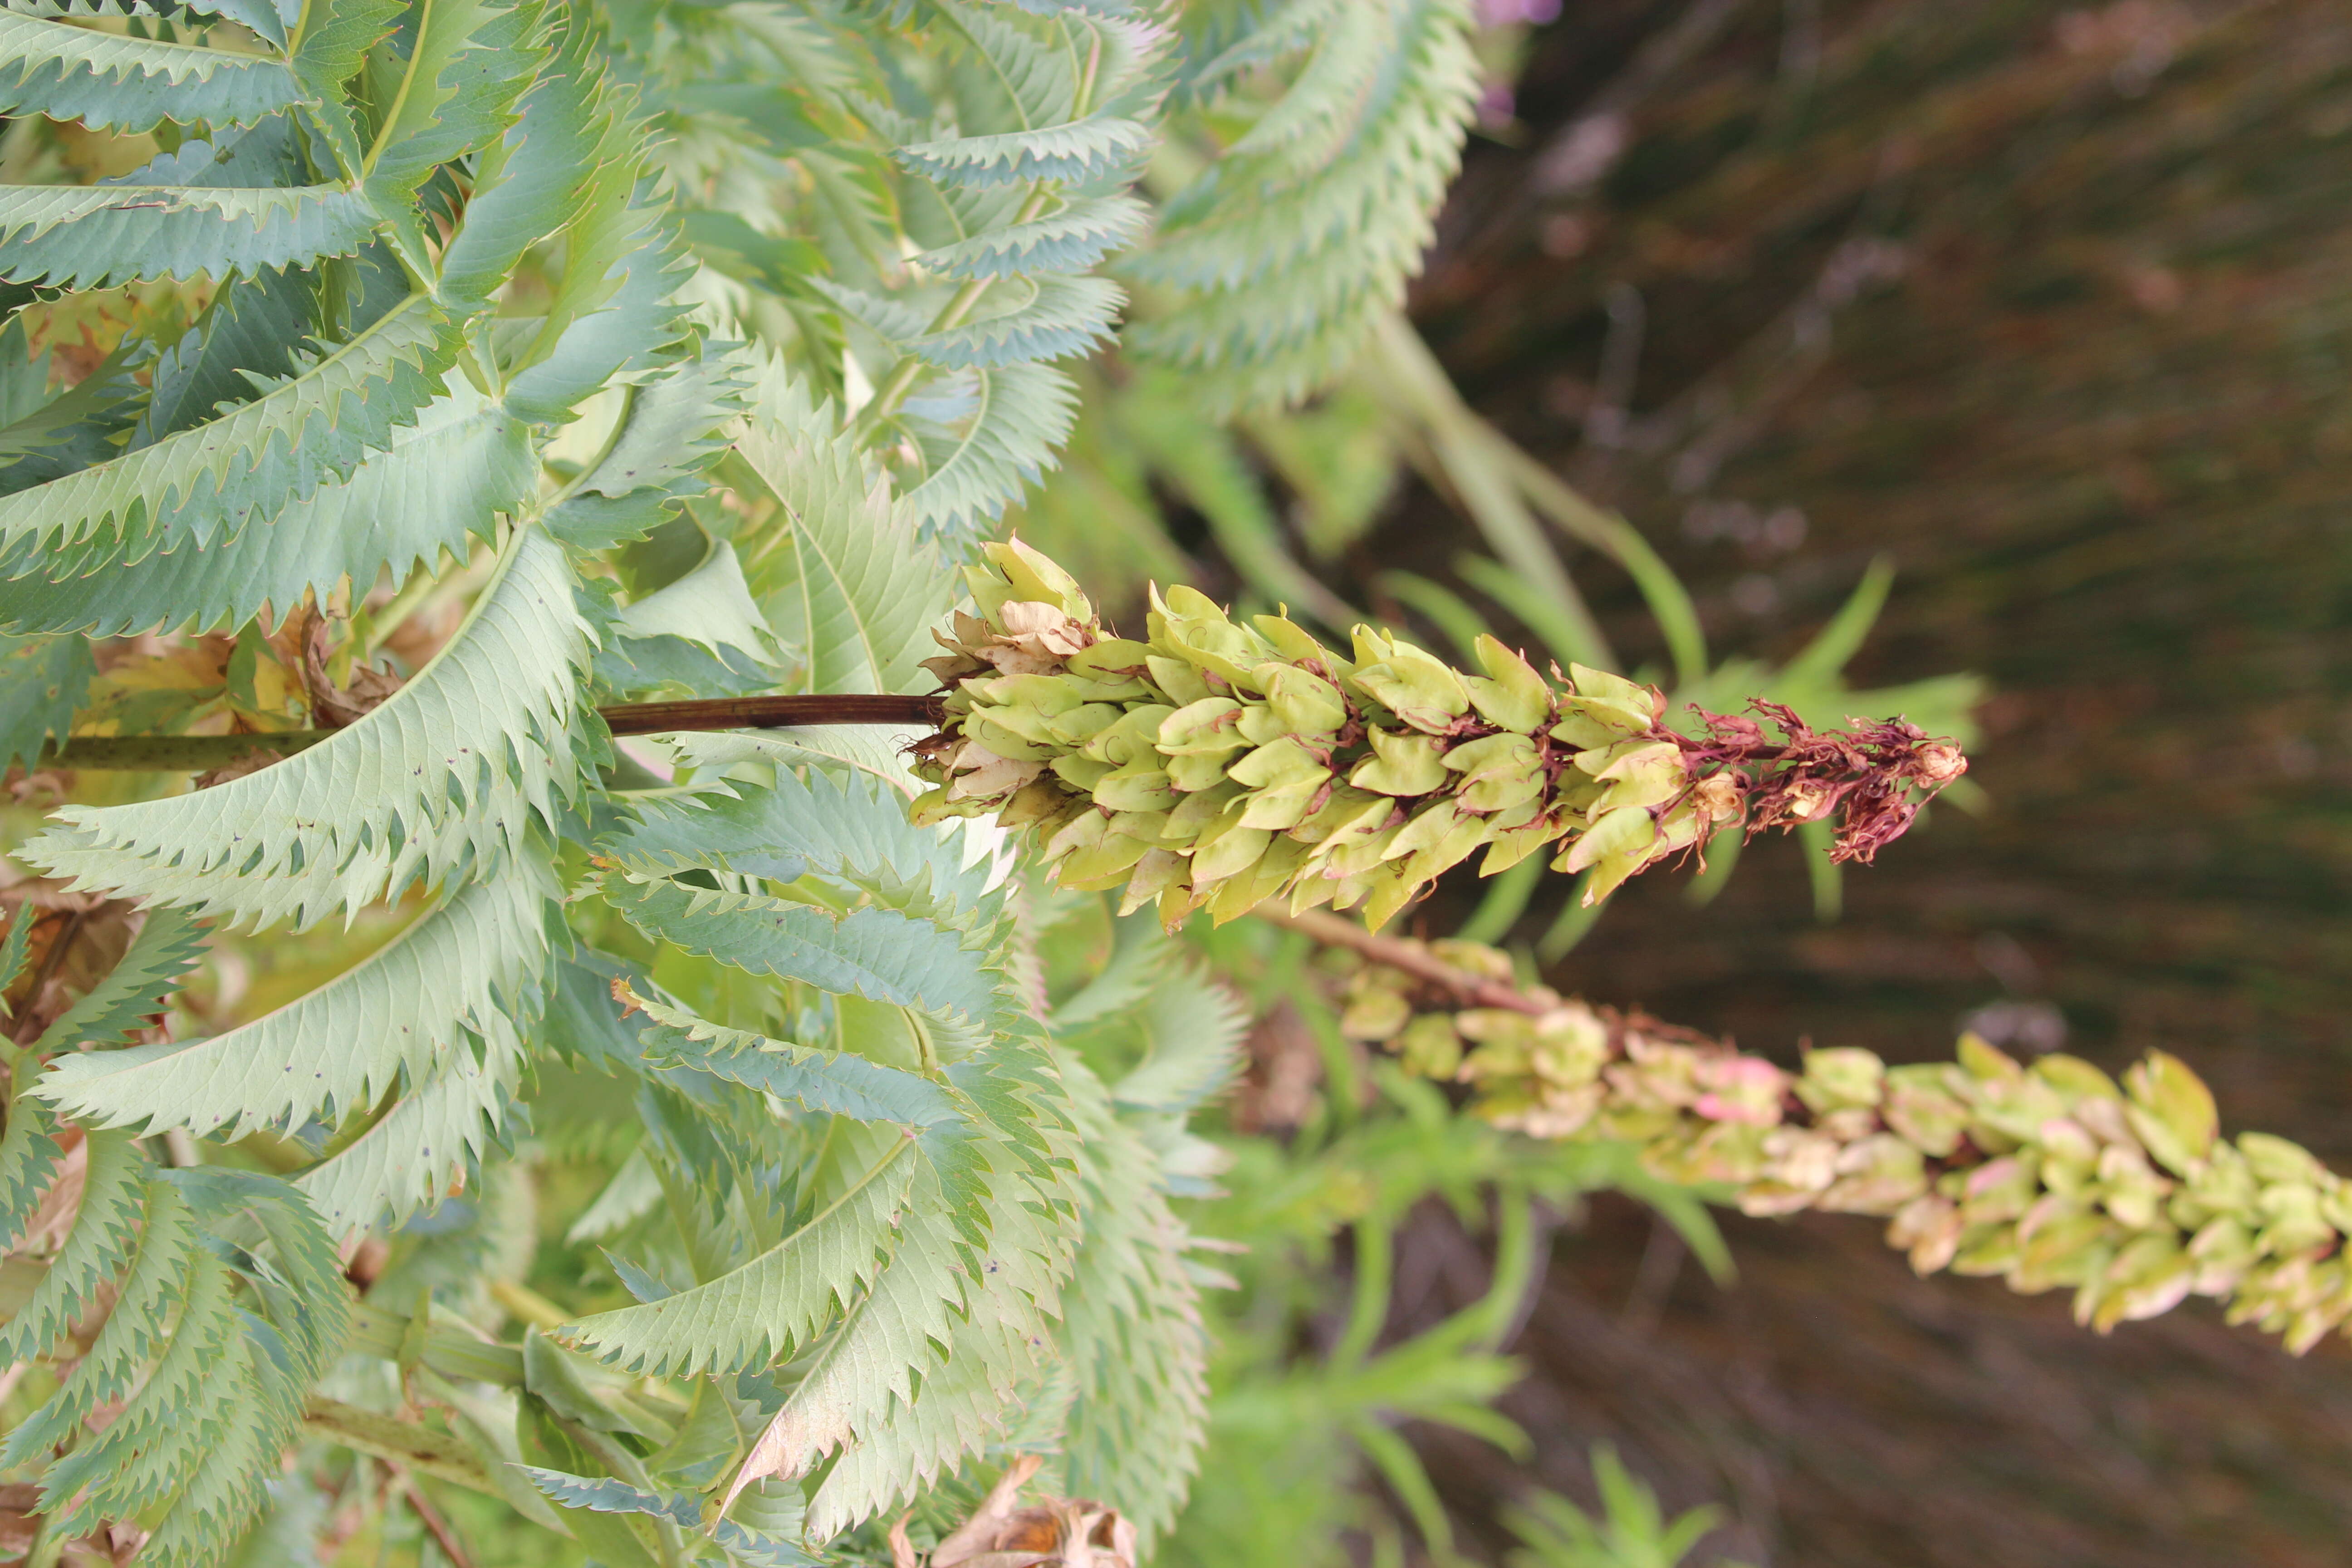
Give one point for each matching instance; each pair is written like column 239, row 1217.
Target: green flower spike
column 2047, row 1175
column 1216, row 765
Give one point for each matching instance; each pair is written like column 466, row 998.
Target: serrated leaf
column 1276, row 261
column 861, row 593
column 605, row 1494
column 529, row 181
column 710, row 605
column 674, row 428
column 825, row 1082
column 1071, row 240
column 29, row 1157
column 252, row 461
column 133, row 1334
column 1131, row 1330
column 466, row 63
column 1019, row 418
column 109, row 81
column 42, row 681
column 113, row 1196
column 412, row 1007
column 774, row 1303
column 432, row 1140
column 97, row 236
column 852, row 828
column 442, row 482
column 877, row 953
column 455, row 770
column 1062, row 316
column 334, row 38
column 1079, row 153
column 168, row 945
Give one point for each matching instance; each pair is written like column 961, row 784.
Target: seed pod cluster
column 2048, row 1174
column 1216, row 765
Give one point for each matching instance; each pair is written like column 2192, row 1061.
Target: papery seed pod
column 1246, row 763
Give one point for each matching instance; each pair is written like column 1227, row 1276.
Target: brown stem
column 1410, row 957
column 771, row 712
column 29, row 1023
column 198, row 754
column 443, row 1536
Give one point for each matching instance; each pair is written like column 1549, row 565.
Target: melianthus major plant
column 683, row 347
column 565, row 355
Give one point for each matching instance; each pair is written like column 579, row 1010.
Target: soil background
column 2050, row 306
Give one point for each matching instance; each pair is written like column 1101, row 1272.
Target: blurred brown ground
column 2049, row 304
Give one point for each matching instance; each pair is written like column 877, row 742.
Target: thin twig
column 29, row 1023
column 1411, row 957
column 421, row 1506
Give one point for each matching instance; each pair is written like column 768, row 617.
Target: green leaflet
column 94, row 1249
column 1131, row 1330
column 1319, row 213
column 824, row 1082
column 612, row 310
column 856, row 593
column 182, row 1402
column 457, row 769
column 414, row 1007
column 1062, row 316
column 466, row 64
column 223, row 1387
column 972, row 1332
column 1086, row 230
column 16, row 947
column 167, row 946
column 871, row 752
column 605, row 1494
column 113, row 82
column 28, row 1156
column 73, row 237
column 333, row 40
column 1018, row 417
column 465, row 464
column 42, row 681
column 877, row 953
column 774, row 1303
column 251, row 462
column 529, row 180
column 434, row 1137
column 255, row 326
column 853, row 828
column 50, row 435
column 709, row 604
column 133, row 1332
column 1079, row 153
column 967, row 1400
column 869, row 1361
column 990, row 425
column 1187, row 1032
column 672, row 430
